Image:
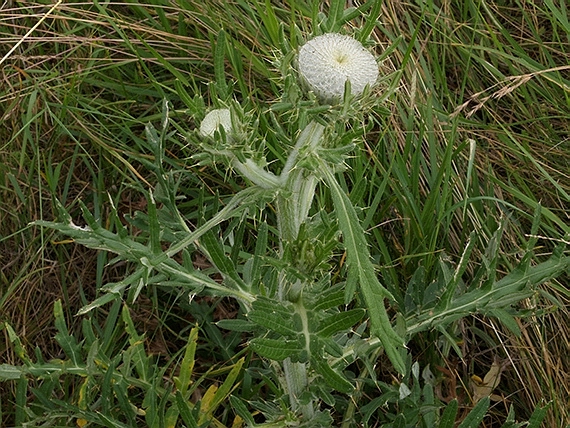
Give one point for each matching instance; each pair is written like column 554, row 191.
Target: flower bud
column 214, row 119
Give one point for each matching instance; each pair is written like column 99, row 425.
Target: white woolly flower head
column 214, row 119
column 328, row 61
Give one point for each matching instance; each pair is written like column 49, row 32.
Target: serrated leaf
column 340, row 322
column 67, row 342
column 221, row 261
column 334, row 379
column 272, row 315
column 358, row 260
column 331, row 298
column 274, row 349
column 273, row 321
column 236, row 325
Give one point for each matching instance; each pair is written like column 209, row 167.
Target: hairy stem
column 293, row 205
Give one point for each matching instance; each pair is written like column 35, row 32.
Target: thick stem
column 256, row 174
column 293, row 205
column 296, row 378
column 298, row 184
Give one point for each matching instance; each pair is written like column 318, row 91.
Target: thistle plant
column 332, row 67
column 308, row 315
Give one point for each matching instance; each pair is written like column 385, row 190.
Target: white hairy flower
column 328, row 61
column 214, row 119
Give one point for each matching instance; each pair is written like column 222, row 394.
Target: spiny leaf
column 340, row 322
column 331, row 377
column 67, row 342
column 331, row 298
column 358, row 259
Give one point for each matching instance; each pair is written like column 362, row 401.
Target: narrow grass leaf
column 136, row 341
column 163, row 61
column 194, row 104
column 260, row 250
column 219, row 65
column 236, row 325
column 334, row 20
column 227, row 386
column 270, row 21
column 17, row 344
column 151, row 406
column 561, row 14
column 451, row 340
column 371, row 20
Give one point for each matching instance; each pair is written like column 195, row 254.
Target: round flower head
column 328, row 61
column 215, row 119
